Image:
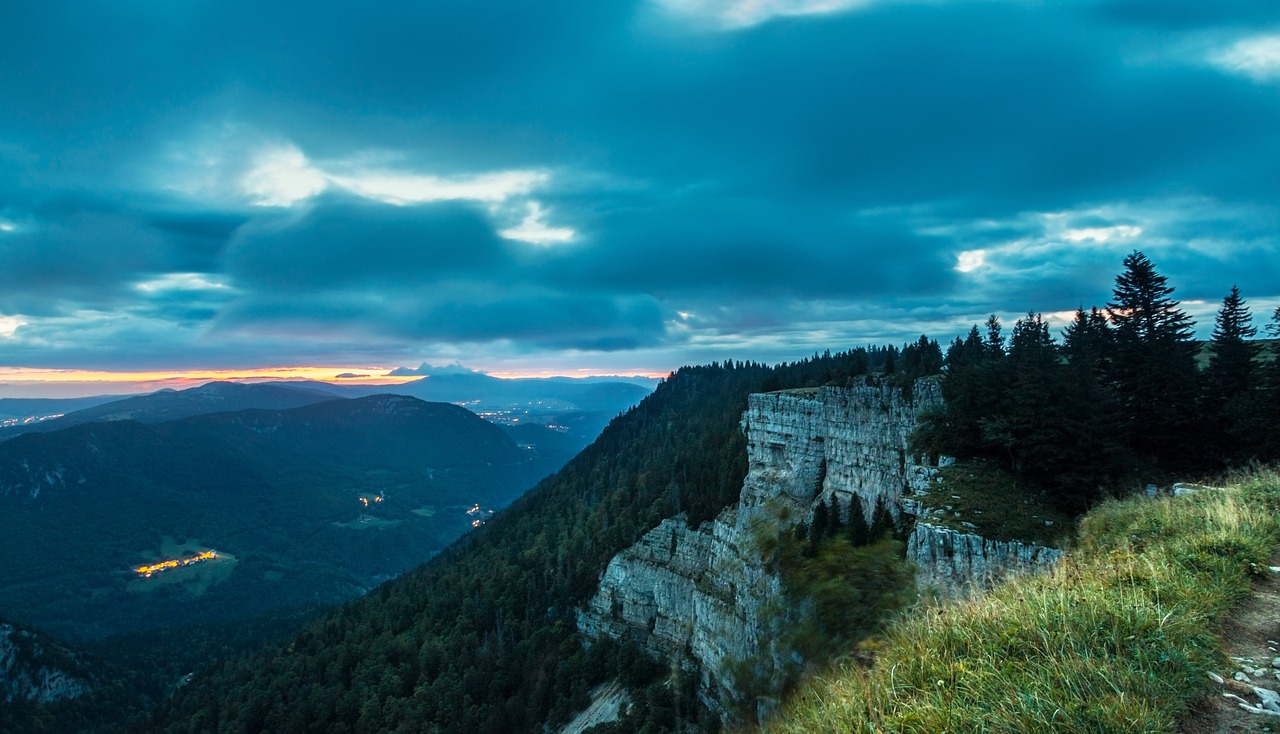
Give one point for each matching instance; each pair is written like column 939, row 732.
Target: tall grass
column 1116, row 639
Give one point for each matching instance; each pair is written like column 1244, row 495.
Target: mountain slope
column 305, row 506
column 168, row 405
column 20, row 408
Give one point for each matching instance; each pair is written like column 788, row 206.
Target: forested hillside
column 301, row 507
column 482, row 639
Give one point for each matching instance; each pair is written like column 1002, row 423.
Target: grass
column 1117, row 639
column 993, row 504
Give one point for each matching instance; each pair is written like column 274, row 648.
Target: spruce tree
column 1090, row 415
column 1087, row 342
column 859, row 531
column 1231, row 386
column 1270, row 398
column 1154, row 366
column 1034, row 414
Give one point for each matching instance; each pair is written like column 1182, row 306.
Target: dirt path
column 1252, row 636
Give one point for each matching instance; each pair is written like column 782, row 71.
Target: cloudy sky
column 221, row 187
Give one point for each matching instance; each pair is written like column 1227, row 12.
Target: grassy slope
column 1117, row 639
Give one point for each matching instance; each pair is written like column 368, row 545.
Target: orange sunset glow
column 111, row 381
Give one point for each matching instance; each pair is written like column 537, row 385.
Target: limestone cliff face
column 36, row 669
column 953, row 561
column 703, row 594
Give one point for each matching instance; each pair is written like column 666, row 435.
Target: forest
column 1128, row 395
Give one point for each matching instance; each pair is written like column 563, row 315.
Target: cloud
column 430, row 370
column 745, row 13
column 9, row 326
column 403, row 189
column 506, row 183
column 1257, row 57
column 349, row 376
column 534, row 230
column 282, row 176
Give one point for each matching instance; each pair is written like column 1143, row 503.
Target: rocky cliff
column 703, row 595
column 952, row 561
column 34, row 668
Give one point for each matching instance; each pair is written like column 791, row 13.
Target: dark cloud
column 344, row 242
column 1186, row 14
column 429, row 370
column 764, row 188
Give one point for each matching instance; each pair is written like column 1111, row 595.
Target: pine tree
column 1269, row 402
column 1034, row 406
column 859, row 531
column 1087, row 342
column 972, row 393
column 882, row 525
column 1154, row 366
column 1090, row 416
column 1231, row 387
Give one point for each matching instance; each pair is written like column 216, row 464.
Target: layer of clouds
column 629, row 185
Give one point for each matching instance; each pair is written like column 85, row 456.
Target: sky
column 234, row 189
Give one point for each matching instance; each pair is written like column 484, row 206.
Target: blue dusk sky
column 223, row 187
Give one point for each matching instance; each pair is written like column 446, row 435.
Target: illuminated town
column 479, row 516
column 146, row 571
column 366, row 500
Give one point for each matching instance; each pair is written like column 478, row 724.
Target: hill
column 294, row 508
column 19, row 411
column 168, row 405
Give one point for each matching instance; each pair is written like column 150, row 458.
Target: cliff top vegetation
column 1119, row 638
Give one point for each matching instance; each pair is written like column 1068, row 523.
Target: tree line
column 1121, row 398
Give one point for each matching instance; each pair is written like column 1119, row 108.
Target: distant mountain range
column 168, row 405
column 482, row 392
column 506, row 401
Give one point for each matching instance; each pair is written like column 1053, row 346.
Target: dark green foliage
column 882, row 526
column 1119, row 398
column 1231, row 385
column 972, row 391
column 86, row 504
column 859, row 530
column 839, row 588
column 839, row 592
column 1099, row 455
column 1052, row 419
column 483, row 637
column 1269, row 394
column 853, row 591
column 1154, row 366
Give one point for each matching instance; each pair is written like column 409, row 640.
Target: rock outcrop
column 703, row 595
column 953, row 562
column 36, row 669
